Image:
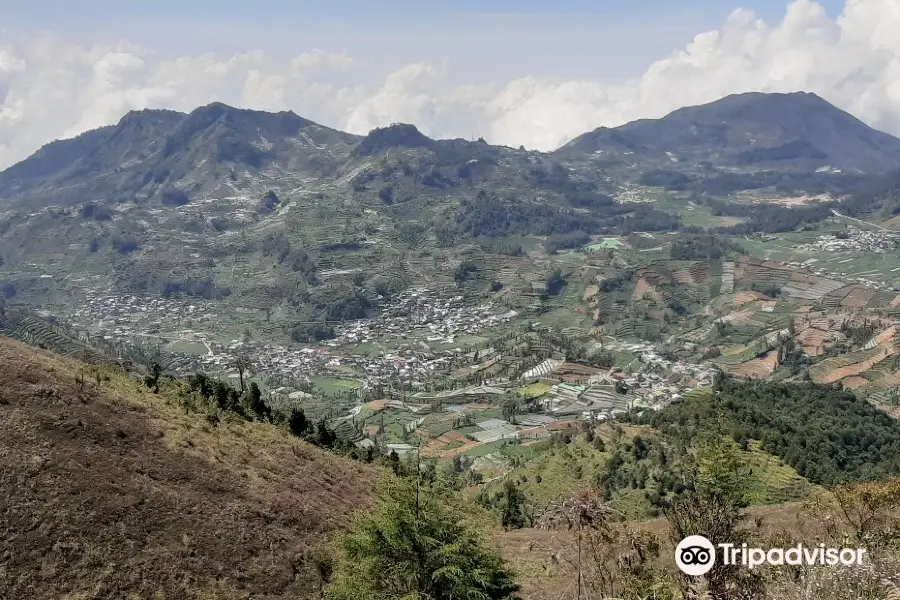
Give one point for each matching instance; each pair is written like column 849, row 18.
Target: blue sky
column 273, row 11
column 600, row 39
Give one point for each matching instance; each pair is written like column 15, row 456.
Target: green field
column 330, row 386
column 694, row 214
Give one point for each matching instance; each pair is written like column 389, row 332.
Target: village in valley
column 432, row 371
column 479, row 372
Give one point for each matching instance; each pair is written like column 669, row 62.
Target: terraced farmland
column 35, row 331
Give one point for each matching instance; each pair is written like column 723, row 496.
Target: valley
column 516, row 325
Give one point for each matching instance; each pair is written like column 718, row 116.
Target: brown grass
column 741, row 298
column 858, row 298
column 539, row 555
column 758, row 368
column 813, row 340
column 853, row 383
column 643, row 288
column 108, row 491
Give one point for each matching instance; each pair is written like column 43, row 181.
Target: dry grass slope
column 107, row 491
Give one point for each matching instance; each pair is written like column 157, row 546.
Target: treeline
column 726, row 183
column 874, row 195
column 767, row 217
column 489, row 215
column 566, row 241
column 827, row 434
column 701, row 247
column 218, row 398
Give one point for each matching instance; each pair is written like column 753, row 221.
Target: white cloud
column 51, row 88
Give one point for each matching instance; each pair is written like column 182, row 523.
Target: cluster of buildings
column 124, row 316
column 440, row 317
column 422, row 314
column 281, row 363
column 853, row 240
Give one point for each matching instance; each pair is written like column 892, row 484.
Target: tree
column 324, row 436
column 225, row 395
column 415, row 544
column 639, row 448
column 200, row 382
column 513, row 514
column 243, row 365
column 464, row 271
column 510, row 408
column 152, row 380
column 298, row 423
column 555, row 282
column 714, row 508
column 256, row 404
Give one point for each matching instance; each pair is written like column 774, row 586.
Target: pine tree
column 415, row 544
column 513, row 515
column 256, row 404
column 298, row 423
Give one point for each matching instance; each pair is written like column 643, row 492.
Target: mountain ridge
column 798, row 129
column 162, row 200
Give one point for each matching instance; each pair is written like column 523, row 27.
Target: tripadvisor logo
column 695, row 555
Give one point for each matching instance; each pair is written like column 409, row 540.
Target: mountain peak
column 753, row 129
column 144, row 113
column 396, row 135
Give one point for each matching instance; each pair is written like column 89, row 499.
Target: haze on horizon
column 511, row 73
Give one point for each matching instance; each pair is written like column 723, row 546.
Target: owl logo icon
column 695, row 555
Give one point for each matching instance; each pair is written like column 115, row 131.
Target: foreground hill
column 109, row 492
column 753, row 130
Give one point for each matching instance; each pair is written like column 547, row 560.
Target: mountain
column 751, row 131
column 170, row 156
column 111, row 491
column 257, row 210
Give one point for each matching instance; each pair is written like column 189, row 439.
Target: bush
column 312, row 332
column 386, row 194
column 464, row 271
column 125, row 244
column 92, row 210
column 174, row 198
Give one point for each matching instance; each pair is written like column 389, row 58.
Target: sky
column 517, row 72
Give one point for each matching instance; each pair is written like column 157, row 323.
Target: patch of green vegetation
column 331, row 386
column 772, row 481
column 558, row 469
column 535, row 390
column 827, row 435
column 485, row 449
